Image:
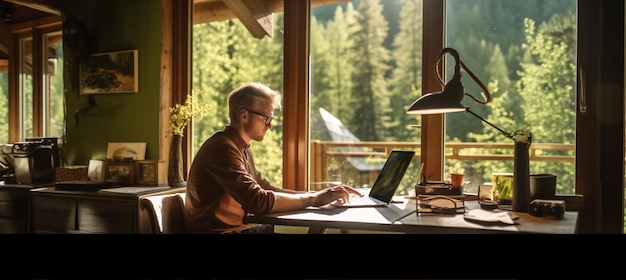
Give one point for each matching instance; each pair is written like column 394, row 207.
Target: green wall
column 117, row 25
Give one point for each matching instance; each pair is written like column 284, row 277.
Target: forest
column 366, row 70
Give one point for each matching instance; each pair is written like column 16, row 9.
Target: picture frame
column 126, row 150
column 120, row 172
column 95, row 170
column 112, row 72
column 151, row 172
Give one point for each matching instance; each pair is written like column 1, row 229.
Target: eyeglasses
column 268, row 119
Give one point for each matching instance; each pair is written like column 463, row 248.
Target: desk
column 391, row 219
column 14, row 207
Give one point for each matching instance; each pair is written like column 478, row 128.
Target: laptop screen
column 391, row 174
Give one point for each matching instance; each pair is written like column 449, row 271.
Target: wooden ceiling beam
column 47, row 6
column 254, row 15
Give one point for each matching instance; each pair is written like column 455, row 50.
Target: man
column 224, row 185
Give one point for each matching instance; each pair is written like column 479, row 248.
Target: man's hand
column 340, row 193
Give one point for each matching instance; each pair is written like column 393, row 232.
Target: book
column 135, row 190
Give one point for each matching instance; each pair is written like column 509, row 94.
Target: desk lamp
column 449, row 101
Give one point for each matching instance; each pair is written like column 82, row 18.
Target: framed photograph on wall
column 113, row 72
column 119, row 172
column 126, row 150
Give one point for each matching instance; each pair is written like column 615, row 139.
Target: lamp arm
column 458, row 64
column 492, row 125
column 485, row 93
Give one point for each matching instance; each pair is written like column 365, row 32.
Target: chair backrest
column 573, row 202
column 174, row 214
column 166, row 213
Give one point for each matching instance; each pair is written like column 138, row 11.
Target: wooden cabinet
column 68, row 211
column 14, row 207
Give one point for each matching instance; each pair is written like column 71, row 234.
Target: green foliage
column 56, row 119
column 369, row 96
column 4, row 108
column 366, row 71
column 405, row 82
column 222, row 56
column 181, row 114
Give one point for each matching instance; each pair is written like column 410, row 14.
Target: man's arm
column 284, row 190
column 290, row 201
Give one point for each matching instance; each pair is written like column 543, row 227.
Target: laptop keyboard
column 360, row 200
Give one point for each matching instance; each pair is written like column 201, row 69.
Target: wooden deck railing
column 322, row 151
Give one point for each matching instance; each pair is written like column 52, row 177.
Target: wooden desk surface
column 391, row 219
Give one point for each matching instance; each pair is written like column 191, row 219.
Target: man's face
column 259, row 121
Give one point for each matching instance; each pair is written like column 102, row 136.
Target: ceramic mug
column 542, row 186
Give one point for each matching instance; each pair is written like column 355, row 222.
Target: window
column 502, row 42
column 53, row 97
column 37, row 86
column 527, row 61
column 366, row 69
column 225, row 55
column 4, row 102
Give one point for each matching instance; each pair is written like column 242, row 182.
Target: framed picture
column 151, row 172
column 95, row 171
column 119, row 172
column 126, row 150
column 113, row 72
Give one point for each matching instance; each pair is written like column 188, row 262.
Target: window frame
column 36, row 29
column 295, row 143
column 596, row 140
column 596, row 159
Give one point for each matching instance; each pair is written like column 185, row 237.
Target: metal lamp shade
column 446, row 101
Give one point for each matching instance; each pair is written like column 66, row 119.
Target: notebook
column 386, row 183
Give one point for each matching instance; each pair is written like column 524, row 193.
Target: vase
column 175, row 165
column 521, row 177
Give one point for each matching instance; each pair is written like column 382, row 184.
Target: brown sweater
column 223, row 185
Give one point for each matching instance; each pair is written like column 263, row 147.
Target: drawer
column 103, row 216
column 14, row 204
column 54, row 214
column 12, row 226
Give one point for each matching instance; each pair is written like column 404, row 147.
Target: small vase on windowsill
column 175, row 177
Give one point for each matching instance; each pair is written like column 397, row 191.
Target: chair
column 573, row 202
column 166, row 213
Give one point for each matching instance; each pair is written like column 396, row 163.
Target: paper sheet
column 487, row 216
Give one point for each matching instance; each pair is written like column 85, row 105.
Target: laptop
column 386, row 183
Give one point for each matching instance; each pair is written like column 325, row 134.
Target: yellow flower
column 180, row 115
